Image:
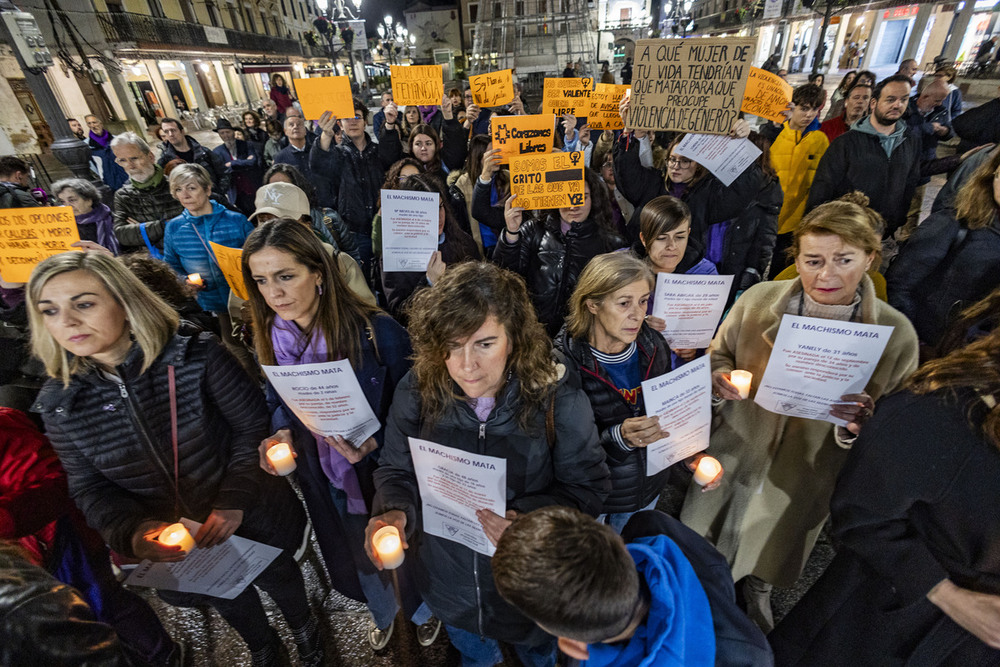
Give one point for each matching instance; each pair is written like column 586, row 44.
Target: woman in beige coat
column 780, row 471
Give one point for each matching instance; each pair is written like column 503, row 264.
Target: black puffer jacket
column 457, row 582
column 114, row 440
column 356, row 179
column 631, row 489
column 551, row 262
column 750, row 238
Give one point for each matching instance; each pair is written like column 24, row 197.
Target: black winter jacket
column 931, row 288
column 856, row 161
column 457, row 582
column 355, row 179
column 551, row 262
column 631, row 489
column 16, row 196
column 454, row 146
column 215, row 165
column 750, row 238
column 979, row 125
column 114, row 440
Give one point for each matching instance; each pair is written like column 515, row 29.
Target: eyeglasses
column 679, row 162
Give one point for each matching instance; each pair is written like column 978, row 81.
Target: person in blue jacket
column 664, row 595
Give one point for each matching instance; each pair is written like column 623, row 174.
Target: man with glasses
column 144, row 203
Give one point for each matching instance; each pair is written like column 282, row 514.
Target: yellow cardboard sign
column 767, row 95
column 417, row 84
column 522, row 135
column 603, row 114
column 328, row 93
column 230, row 261
column 29, row 235
column 492, row 89
column 690, row 85
column 547, row 181
column 567, row 95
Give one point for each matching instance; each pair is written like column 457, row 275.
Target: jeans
column 618, row 520
column 485, row 652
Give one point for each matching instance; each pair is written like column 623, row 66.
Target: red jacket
column 834, row 127
column 33, row 491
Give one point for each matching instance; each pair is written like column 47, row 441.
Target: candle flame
column 388, row 544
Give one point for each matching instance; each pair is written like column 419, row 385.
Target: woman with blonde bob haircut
column 780, row 469
column 608, row 339
column 485, row 382
column 153, row 421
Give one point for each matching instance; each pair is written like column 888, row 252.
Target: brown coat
column 779, row 471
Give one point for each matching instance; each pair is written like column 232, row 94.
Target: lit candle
column 195, row 279
column 177, row 535
column 741, row 380
column 280, row 456
column 707, row 470
column 389, row 547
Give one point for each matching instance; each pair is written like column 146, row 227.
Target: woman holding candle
column 607, row 337
column 916, row 579
column 304, row 313
column 484, row 380
column 154, row 421
column 780, row 470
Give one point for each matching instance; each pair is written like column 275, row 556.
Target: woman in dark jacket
column 550, row 252
column 950, row 260
column 454, row 246
column 484, row 381
column 306, row 315
column 607, row 338
column 438, row 151
column 916, row 579
column 153, row 423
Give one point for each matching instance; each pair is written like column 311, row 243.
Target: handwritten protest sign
column 328, row 93
column 29, row 235
column 522, row 135
column 417, row 84
column 690, row 85
column 492, row 89
column 603, row 113
column 547, row 181
column 230, row 261
column 570, row 95
column 767, row 95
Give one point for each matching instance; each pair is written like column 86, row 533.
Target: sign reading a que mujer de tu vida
column 690, row 85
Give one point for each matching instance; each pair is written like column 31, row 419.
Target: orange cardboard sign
column 567, row 95
column 603, row 114
column 328, row 93
column 29, row 235
column 230, row 261
column 492, row 89
column 547, row 181
column 767, row 95
column 522, row 135
column 417, row 84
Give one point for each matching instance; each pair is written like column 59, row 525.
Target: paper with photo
column 410, row 222
column 683, row 400
column 726, row 157
column 691, row 306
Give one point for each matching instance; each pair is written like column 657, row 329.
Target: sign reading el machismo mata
column 689, row 85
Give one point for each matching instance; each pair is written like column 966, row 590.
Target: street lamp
column 339, row 11
column 393, row 37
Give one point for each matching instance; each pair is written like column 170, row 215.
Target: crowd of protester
column 131, row 390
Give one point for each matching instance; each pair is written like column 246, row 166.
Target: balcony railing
column 634, row 23
column 152, row 32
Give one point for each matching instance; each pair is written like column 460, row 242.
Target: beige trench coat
column 779, row 471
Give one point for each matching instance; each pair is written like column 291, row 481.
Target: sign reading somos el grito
column 689, row 85
column 555, row 180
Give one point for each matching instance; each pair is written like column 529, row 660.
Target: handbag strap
column 172, row 382
column 550, row 421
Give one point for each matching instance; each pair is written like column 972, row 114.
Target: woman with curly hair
column 550, row 250
column 485, row 380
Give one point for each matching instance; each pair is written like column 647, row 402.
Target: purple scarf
column 427, row 112
column 102, row 140
column 291, row 348
column 100, row 216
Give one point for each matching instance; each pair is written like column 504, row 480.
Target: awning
column 247, row 68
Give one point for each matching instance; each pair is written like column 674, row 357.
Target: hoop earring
column 319, row 290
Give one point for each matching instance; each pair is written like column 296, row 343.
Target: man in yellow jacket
column 795, row 154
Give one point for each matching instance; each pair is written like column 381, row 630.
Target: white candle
column 280, row 456
column 742, row 380
column 707, row 470
column 177, row 535
column 195, row 279
column 389, row 547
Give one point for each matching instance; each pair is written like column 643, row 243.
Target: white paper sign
column 453, row 485
column 409, row 229
column 772, row 9
column 326, row 398
column 724, row 156
column 691, row 306
column 223, row 571
column 816, row 361
column 683, row 401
